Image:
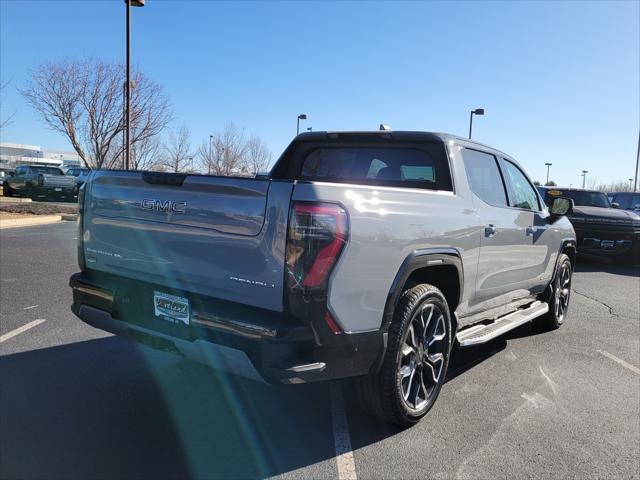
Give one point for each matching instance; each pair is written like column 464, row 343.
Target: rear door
column 505, row 264
column 216, row 236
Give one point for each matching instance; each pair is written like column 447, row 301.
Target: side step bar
column 483, row 333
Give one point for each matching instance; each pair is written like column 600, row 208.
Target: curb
column 4, row 199
column 29, row 221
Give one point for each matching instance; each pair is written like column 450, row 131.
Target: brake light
column 316, row 237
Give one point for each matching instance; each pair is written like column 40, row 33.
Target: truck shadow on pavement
column 590, row 264
column 112, row 409
column 109, row 408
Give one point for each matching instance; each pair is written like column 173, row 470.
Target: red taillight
column 316, row 236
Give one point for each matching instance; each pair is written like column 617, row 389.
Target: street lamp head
column 478, row 111
column 548, row 164
column 136, row 3
column 302, row 116
column 584, row 172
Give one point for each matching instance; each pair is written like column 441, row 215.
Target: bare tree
column 616, row 186
column 83, row 100
column 9, row 119
column 591, row 183
column 177, row 154
column 146, row 154
column 231, row 153
column 258, row 155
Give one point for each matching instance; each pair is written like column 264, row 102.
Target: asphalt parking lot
column 79, row 403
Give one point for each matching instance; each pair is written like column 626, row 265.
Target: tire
column 6, row 191
column 558, row 297
column 415, row 363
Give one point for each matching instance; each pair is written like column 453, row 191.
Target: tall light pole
column 302, row 116
column 130, row 3
column 584, row 177
column 548, row 165
column 635, row 175
column 631, row 184
column 477, row 111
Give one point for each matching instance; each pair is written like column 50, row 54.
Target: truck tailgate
column 62, row 181
column 216, row 236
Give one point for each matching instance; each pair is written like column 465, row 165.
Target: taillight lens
column 316, row 237
column 80, row 245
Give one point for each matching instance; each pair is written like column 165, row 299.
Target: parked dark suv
column 626, row 200
column 601, row 228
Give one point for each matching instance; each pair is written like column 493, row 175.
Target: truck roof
column 397, row 135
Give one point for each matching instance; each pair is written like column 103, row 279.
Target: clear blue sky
column 559, row 81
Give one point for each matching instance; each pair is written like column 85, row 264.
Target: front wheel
column 560, row 294
column 415, row 363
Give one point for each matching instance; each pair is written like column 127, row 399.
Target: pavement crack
column 610, row 308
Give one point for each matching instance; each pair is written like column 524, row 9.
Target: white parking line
column 620, row 361
column 23, row 328
column 341, row 437
column 29, row 308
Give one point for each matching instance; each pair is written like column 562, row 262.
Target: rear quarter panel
column 386, row 225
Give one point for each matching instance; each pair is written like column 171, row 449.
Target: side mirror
column 561, row 206
column 615, row 205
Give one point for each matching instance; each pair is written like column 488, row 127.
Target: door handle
column 530, row 231
column 489, row 230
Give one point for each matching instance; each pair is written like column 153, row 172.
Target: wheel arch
column 440, row 267
column 569, row 248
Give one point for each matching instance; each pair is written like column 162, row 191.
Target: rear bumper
column 252, row 343
column 51, row 191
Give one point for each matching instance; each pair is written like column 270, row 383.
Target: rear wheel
column 415, row 363
column 559, row 296
column 7, row 192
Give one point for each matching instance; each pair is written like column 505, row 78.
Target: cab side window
column 521, row 193
column 484, row 177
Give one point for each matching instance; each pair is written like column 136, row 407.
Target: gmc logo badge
column 167, row 206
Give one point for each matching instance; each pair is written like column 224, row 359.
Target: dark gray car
column 363, row 254
column 39, row 182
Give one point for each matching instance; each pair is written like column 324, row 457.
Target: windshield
column 583, row 198
column 76, row 172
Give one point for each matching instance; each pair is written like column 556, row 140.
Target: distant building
column 15, row 154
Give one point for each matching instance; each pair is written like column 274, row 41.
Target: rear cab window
column 424, row 165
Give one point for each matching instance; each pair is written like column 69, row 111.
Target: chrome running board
column 483, row 333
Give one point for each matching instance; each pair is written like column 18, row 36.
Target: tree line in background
column 84, row 101
column 592, row 183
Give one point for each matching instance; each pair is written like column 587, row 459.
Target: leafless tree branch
column 83, row 100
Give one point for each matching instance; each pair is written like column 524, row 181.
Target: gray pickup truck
column 365, row 255
column 36, row 181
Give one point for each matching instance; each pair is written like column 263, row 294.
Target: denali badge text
column 166, row 206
